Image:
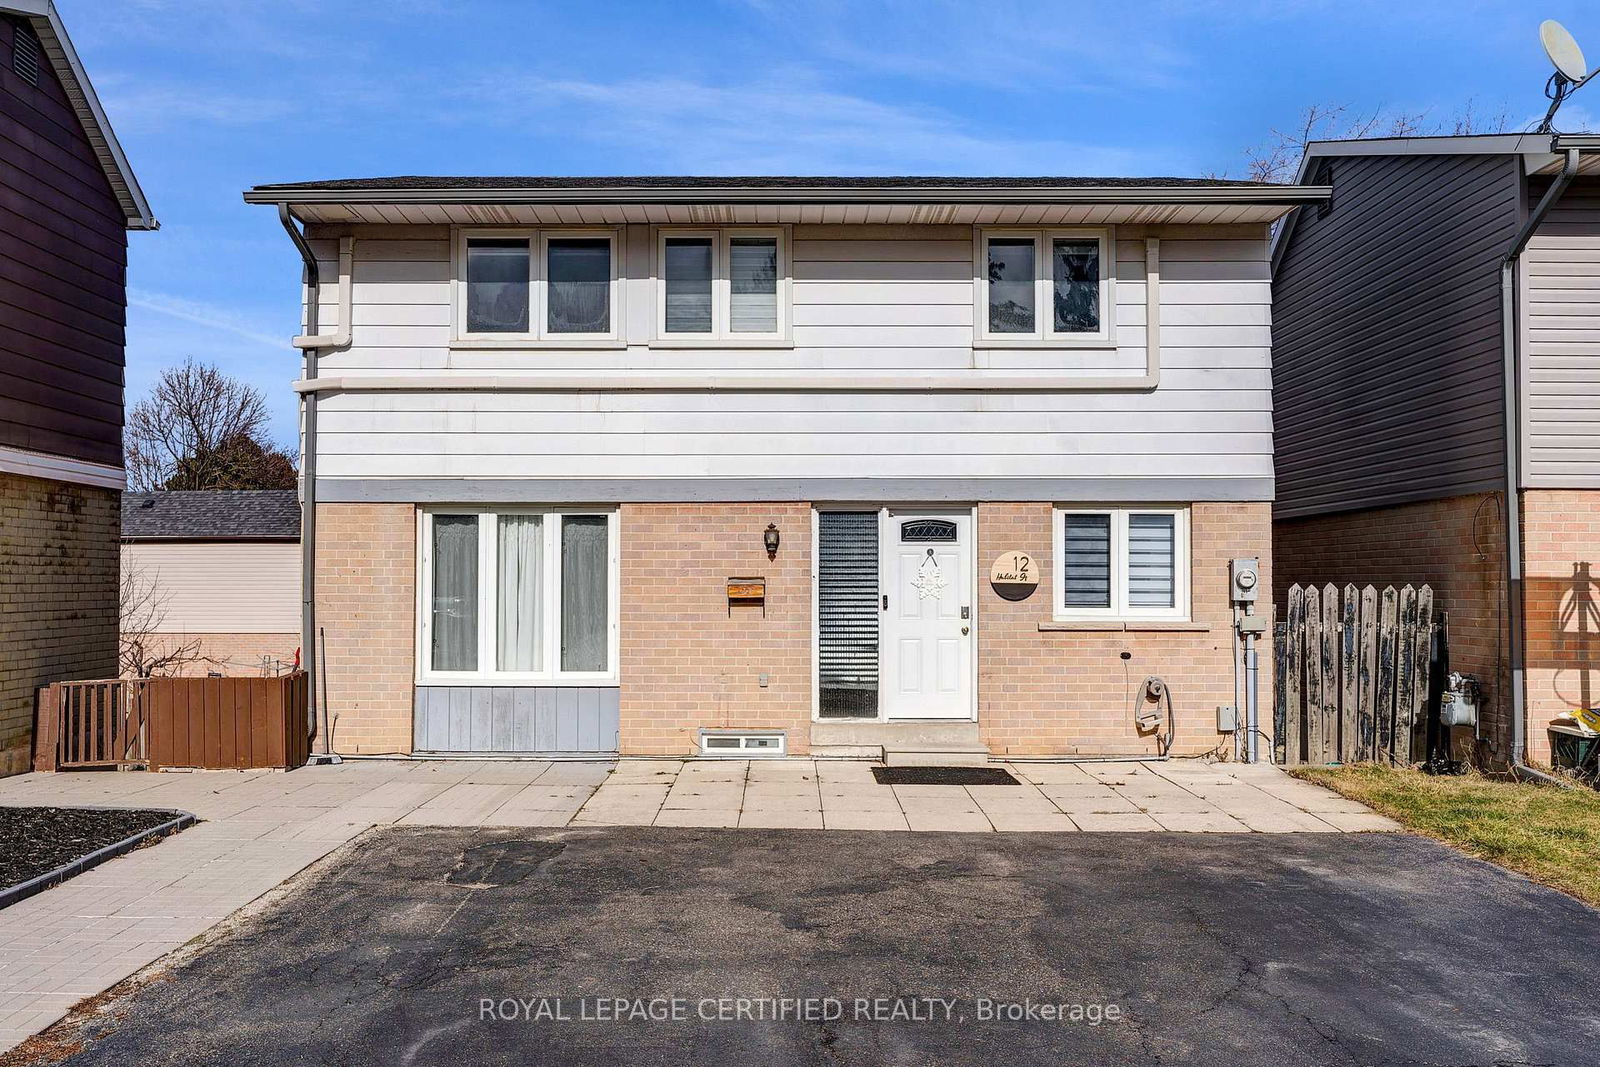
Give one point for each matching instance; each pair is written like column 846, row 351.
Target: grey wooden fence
column 1352, row 673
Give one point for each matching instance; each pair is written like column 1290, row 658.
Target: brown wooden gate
column 174, row 722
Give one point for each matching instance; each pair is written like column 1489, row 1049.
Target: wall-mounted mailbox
column 747, row 592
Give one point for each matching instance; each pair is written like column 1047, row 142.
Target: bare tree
column 1278, row 158
column 201, row 429
column 144, row 651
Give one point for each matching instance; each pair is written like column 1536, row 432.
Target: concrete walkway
column 1182, row 795
column 260, row 828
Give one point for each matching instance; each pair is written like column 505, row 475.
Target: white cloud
column 787, row 124
column 207, row 315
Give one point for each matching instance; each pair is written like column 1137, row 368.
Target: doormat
column 943, row 776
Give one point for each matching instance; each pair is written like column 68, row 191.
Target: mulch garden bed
column 40, row 840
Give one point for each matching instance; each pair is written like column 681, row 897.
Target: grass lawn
column 1551, row 835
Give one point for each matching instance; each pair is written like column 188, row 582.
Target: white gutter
column 1154, row 195
column 1516, row 606
column 340, row 338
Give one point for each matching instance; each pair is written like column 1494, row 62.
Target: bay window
column 1122, row 563
column 1042, row 287
column 726, row 285
column 546, row 286
column 517, row 595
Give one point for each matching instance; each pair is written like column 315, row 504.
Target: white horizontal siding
column 221, row 587
column 1562, row 361
column 864, row 299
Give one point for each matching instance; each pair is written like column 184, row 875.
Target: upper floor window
column 549, row 285
column 1122, row 563
column 1045, row 286
column 725, row 284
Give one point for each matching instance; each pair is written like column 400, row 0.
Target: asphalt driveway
column 709, row 946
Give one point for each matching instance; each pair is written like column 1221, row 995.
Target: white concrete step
column 901, row 733
column 926, row 755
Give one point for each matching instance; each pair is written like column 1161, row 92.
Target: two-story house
column 67, row 200
column 1437, row 351
column 851, row 466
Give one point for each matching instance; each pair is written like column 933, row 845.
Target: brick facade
column 232, row 655
column 1070, row 692
column 686, row 661
column 1455, row 545
column 1560, row 554
column 366, row 605
column 58, row 597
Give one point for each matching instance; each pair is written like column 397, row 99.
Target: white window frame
column 721, row 335
column 539, row 334
column 488, row 581
column 1119, row 609
column 1044, row 335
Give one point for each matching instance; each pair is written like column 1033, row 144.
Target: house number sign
column 1014, row 575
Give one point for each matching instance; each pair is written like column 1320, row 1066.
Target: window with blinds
column 847, row 604
column 721, row 284
column 1122, row 563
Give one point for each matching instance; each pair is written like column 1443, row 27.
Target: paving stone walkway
column 259, row 828
column 1181, row 795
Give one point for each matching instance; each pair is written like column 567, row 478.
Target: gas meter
column 1458, row 704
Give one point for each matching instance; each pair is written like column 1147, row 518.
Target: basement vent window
column 742, row 744
column 25, row 55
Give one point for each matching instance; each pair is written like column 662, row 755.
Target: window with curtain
column 1011, row 284
column 686, row 271
column 454, row 604
column 753, row 284
column 1122, row 563
column 585, row 582
column 520, row 594
column 497, row 285
column 578, row 284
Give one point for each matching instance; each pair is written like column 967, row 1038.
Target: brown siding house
column 67, row 200
column 1390, row 368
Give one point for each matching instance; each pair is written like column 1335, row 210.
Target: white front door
column 927, row 636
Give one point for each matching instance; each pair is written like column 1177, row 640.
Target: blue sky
column 213, row 96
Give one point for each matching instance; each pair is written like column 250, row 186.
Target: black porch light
column 770, row 538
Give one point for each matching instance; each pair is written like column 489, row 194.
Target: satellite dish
column 1563, row 51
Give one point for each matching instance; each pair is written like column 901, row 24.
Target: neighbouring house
column 1400, row 361
column 215, row 579
column 67, row 200
column 919, row 467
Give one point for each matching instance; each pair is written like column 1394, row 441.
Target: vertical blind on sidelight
column 1086, row 560
column 753, row 285
column 847, row 607
column 1152, row 545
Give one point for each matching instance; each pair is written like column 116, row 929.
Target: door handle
column 965, row 630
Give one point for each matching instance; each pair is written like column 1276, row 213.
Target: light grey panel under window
column 1152, row 543
column 1075, row 286
column 578, row 285
column 1011, row 288
column 497, row 285
column 585, row 594
column 1086, row 561
column 686, row 265
column 517, row 719
column 753, row 284
column 455, row 593
column 847, row 606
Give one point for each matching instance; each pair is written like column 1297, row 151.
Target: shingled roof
column 212, row 515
